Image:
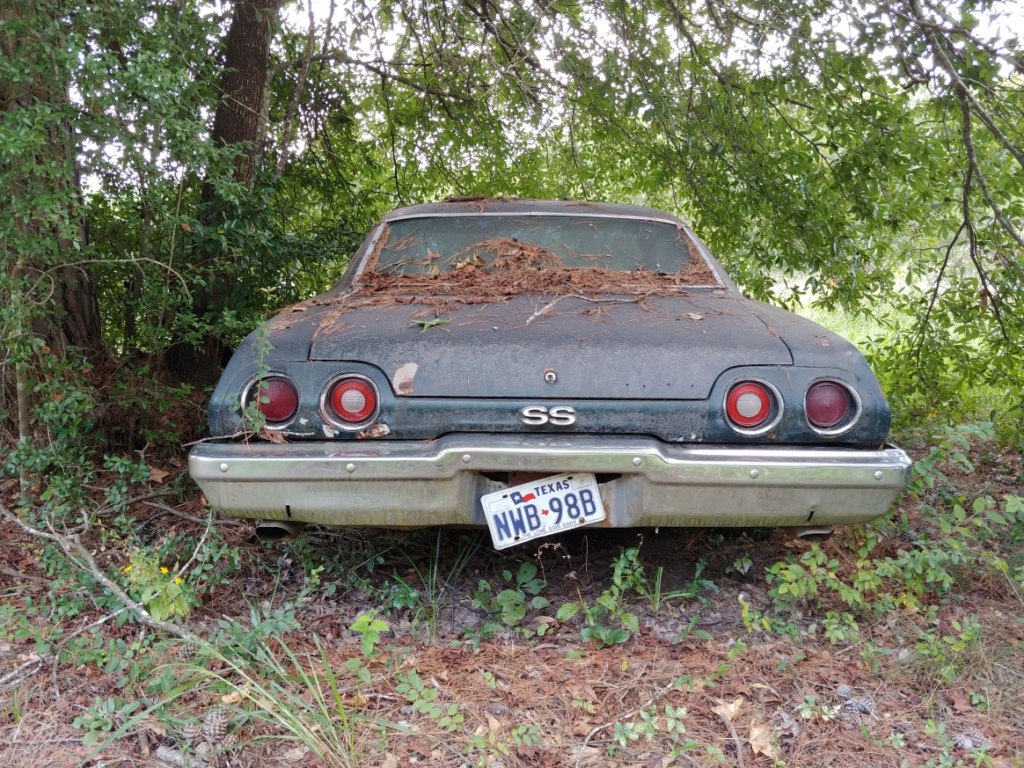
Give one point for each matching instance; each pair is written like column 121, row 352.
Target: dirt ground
column 698, row 683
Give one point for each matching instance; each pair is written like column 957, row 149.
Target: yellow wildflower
column 164, row 571
column 127, row 569
column 178, row 580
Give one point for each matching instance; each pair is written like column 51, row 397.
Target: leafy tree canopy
column 863, row 155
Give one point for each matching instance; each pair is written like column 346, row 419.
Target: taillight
column 352, row 400
column 749, row 405
column 828, row 404
column 276, row 398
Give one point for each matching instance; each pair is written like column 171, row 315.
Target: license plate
column 541, row 508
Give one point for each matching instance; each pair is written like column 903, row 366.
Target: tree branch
column 382, row 69
column 929, row 30
column 80, row 556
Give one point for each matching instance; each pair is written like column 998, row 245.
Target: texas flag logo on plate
column 543, row 507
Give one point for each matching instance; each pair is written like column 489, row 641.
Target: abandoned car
column 536, row 366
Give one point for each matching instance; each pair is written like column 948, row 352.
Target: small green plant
column 610, row 604
column 369, row 629
column 162, row 593
column 423, row 699
column 948, row 656
column 652, row 590
column 650, row 723
column 511, row 604
column 584, row 705
column 841, row 628
column 103, row 718
column 810, row 709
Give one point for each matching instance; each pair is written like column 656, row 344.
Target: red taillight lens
column 277, row 399
column 748, row 405
column 828, row 404
column 353, row 400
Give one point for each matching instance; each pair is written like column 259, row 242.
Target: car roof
column 497, row 205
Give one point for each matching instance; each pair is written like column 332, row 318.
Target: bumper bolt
column 223, row 467
column 878, row 474
column 466, row 458
column 754, row 473
column 637, row 461
column 350, row 467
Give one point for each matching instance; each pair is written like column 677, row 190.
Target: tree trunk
column 239, row 119
column 238, row 124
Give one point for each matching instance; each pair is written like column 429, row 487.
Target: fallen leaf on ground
column 728, row 710
column 493, row 724
column 294, row 754
column 761, row 740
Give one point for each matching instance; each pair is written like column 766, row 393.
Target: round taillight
column 277, row 399
column 828, row 404
column 748, row 405
column 353, row 400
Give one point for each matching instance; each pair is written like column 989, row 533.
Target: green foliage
column 161, row 592
column 369, row 629
column 961, row 541
column 511, row 604
column 423, row 699
column 946, row 657
column 650, row 723
column 609, row 605
column 103, row 717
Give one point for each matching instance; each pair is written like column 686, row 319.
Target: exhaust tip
column 277, row 530
column 814, row 534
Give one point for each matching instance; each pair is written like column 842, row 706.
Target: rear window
column 434, row 245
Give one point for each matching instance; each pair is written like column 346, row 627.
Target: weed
column 946, row 657
column 423, row 699
column 610, row 604
column 369, row 629
column 810, row 709
column 152, row 584
column 104, row 717
column 511, row 604
column 649, row 724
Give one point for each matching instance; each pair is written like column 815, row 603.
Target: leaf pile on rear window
column 495, row 269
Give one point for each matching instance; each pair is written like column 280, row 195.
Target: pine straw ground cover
column 380, row 649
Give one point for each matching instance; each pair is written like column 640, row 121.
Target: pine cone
column 215, row 726
column 859, row 706
column 970, row 740
column 191, row 732
column 187, row 651
column 844, row 692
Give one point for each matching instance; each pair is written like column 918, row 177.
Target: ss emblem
column 559, row 415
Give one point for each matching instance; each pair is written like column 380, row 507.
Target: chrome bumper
column 440, row 482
